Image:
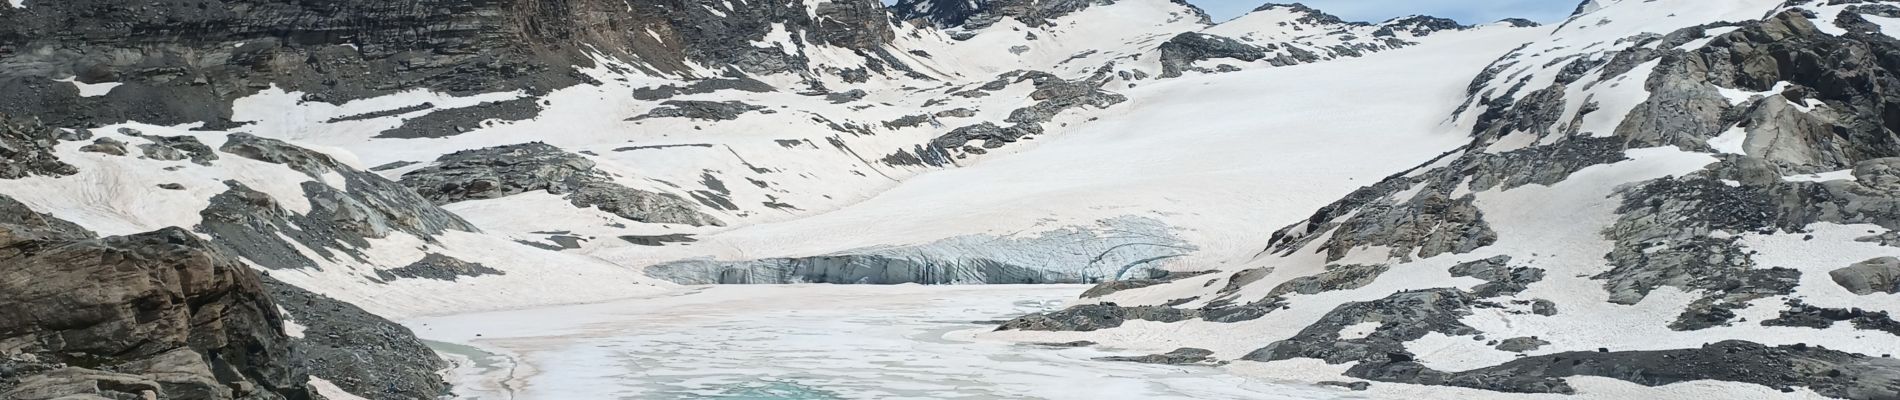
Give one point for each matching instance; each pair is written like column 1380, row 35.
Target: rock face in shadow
column 359, row 352
column 160, row 314
column 501, row 171
column 26, row 149
column 213, row 51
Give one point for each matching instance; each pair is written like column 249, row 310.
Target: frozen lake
column 804, row 342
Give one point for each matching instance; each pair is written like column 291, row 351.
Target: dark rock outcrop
column 1403, row 317
column 26, row 149
column 1053, row 96
column 1180, row 52
column 1091, row 317
column 105, row 145
column 159, row 314
column 1336, row 277
column 1181, row 356
column 982, row 14
column 1829, row 372
column 1521, row 344
column 1879, row 275
column 502, row 171
column 360, row 352
column 340, row 220
column 1419, row 25
column 211, row 52
column 700, row 110
column 438, row 267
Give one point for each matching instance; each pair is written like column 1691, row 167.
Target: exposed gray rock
column 1090, row 317
column 177, row 148
column 26, row 149
column 1543, row 307
column 700, row 110
column 393, row 165
column 979, row 15
column 1226, row 311
column 341, row 51
column 171, row 186
column 361, row 353
column 1828, row 372
column 1420, row 25
column 105, row 145
column 165, row 312
column 252, row 224
column 1429, row 224
column 1521, row 344
column 845, row 96
column 1502, row 280
column 1181, row 356
column 1053, row 95
column 1336, row 277
column 503, row 171
column 1803, row 315
column 907, row 121
column 956, row 113
column 703, row 86
column 1839, row 72
column 1879, row 275
column 1662, row 239
column 1520, row 23
column 1403, row 317
column 1179, row 53
column 456, row 121
column 1354, row 385
column 659, row 240
column 161, row 152
column 439, row 267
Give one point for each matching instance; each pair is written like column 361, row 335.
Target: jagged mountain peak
column 1307, row 14
column 1417, row 25
column 979, row 14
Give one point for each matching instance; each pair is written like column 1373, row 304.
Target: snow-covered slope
column 1659, row 198
column 1151, row 180
column 312, row 219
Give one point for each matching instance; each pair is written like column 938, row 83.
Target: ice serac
column 1119, row 248
column 162, row 314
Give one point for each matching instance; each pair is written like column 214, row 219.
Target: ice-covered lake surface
column 805, row 342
